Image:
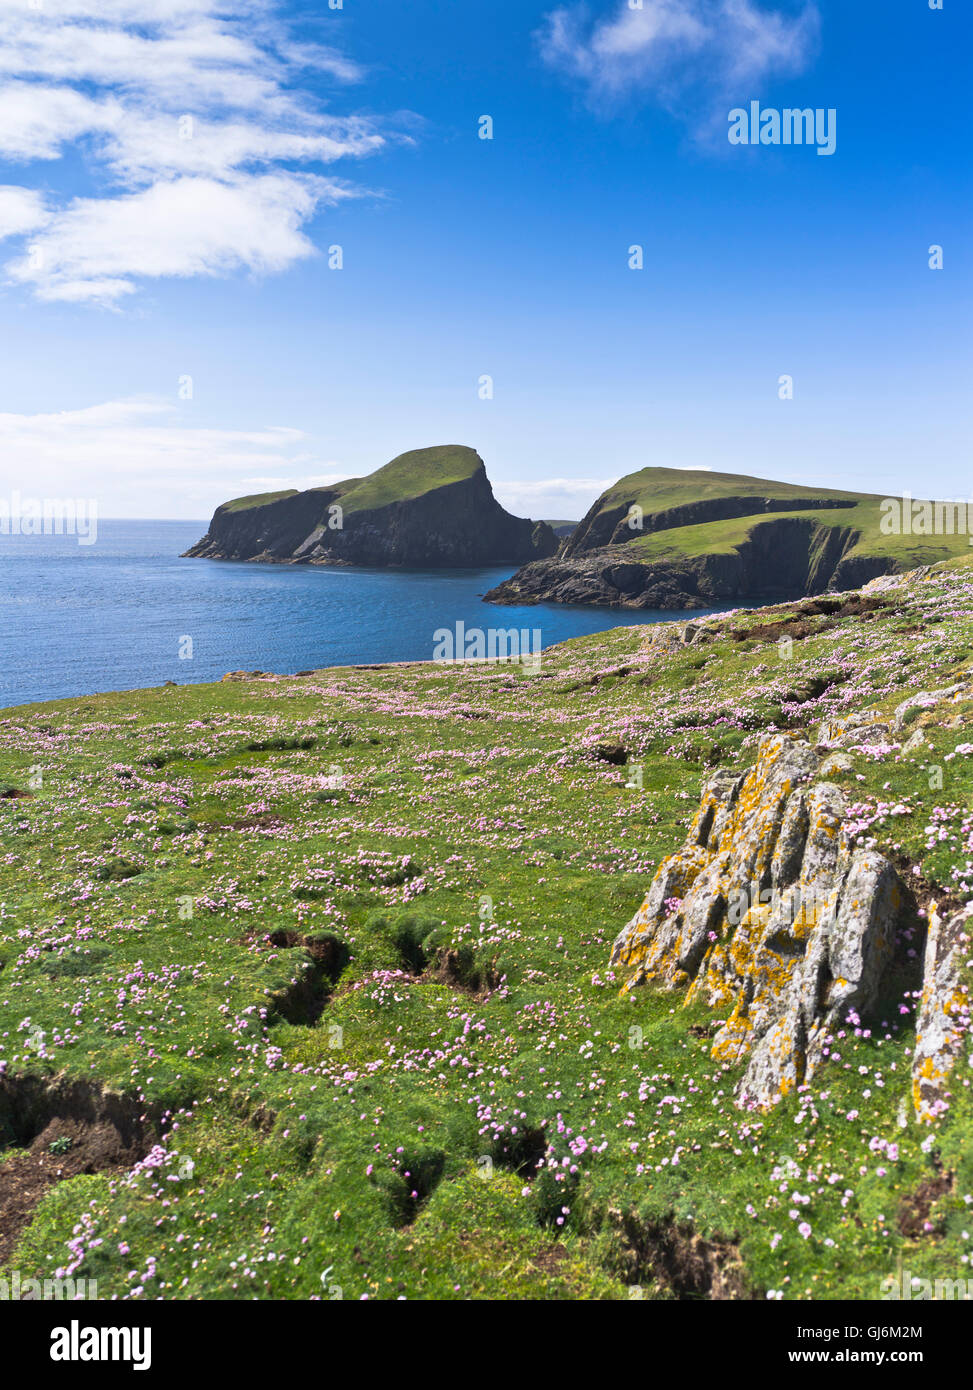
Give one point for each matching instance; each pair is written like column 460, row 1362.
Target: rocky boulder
column 770, row 915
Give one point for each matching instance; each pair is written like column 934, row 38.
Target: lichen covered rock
column 944, row 1013
column 767, row 914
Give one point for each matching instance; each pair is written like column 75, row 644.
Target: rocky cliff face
column 771, row 915
column 782, row 558
column 453, row 525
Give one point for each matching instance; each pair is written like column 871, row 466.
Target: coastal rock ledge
column 770, row 913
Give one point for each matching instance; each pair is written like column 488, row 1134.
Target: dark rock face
column 853, row 571
column 781, row 559
column 455, row 525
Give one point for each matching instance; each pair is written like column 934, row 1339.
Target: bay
column 80, row 619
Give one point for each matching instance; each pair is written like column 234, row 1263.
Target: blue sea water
column 77, row 619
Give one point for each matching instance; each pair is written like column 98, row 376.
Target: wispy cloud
column 554, row 498
column 21, row 210
column 683, row 54
column 190, row 115
column 94, row 249
column 143, row 454
column 563, row 498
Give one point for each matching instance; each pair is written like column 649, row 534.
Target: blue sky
column 133, row 257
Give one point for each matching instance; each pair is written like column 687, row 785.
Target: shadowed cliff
column 669, row 538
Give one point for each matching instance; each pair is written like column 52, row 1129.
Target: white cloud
column 176, row 57
column 154, row 145
column 190, row 226
column 21, row 210
column 37, row 122
column 675, row 51
column 141, row 457
column 555, row 499
column 125, row 11
column 567, row 499
column 189, row 114
column 137, row 147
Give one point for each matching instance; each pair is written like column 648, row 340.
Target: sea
column 127, row 612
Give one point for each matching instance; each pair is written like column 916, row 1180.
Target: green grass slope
column 658, row 490
column 351, row 930
column 407, row 476
column 410, row 475
column 722, row 537
column 258, row 499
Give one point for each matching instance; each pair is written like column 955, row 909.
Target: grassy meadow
column 343, row 938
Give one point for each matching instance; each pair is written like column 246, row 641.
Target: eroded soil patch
column 915, row 1209
column 304, row 1000
column 675, row 1258
column 53, row 1130
column 798, row 622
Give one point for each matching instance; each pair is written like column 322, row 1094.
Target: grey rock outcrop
column 944, row 1013
column 769, row 913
